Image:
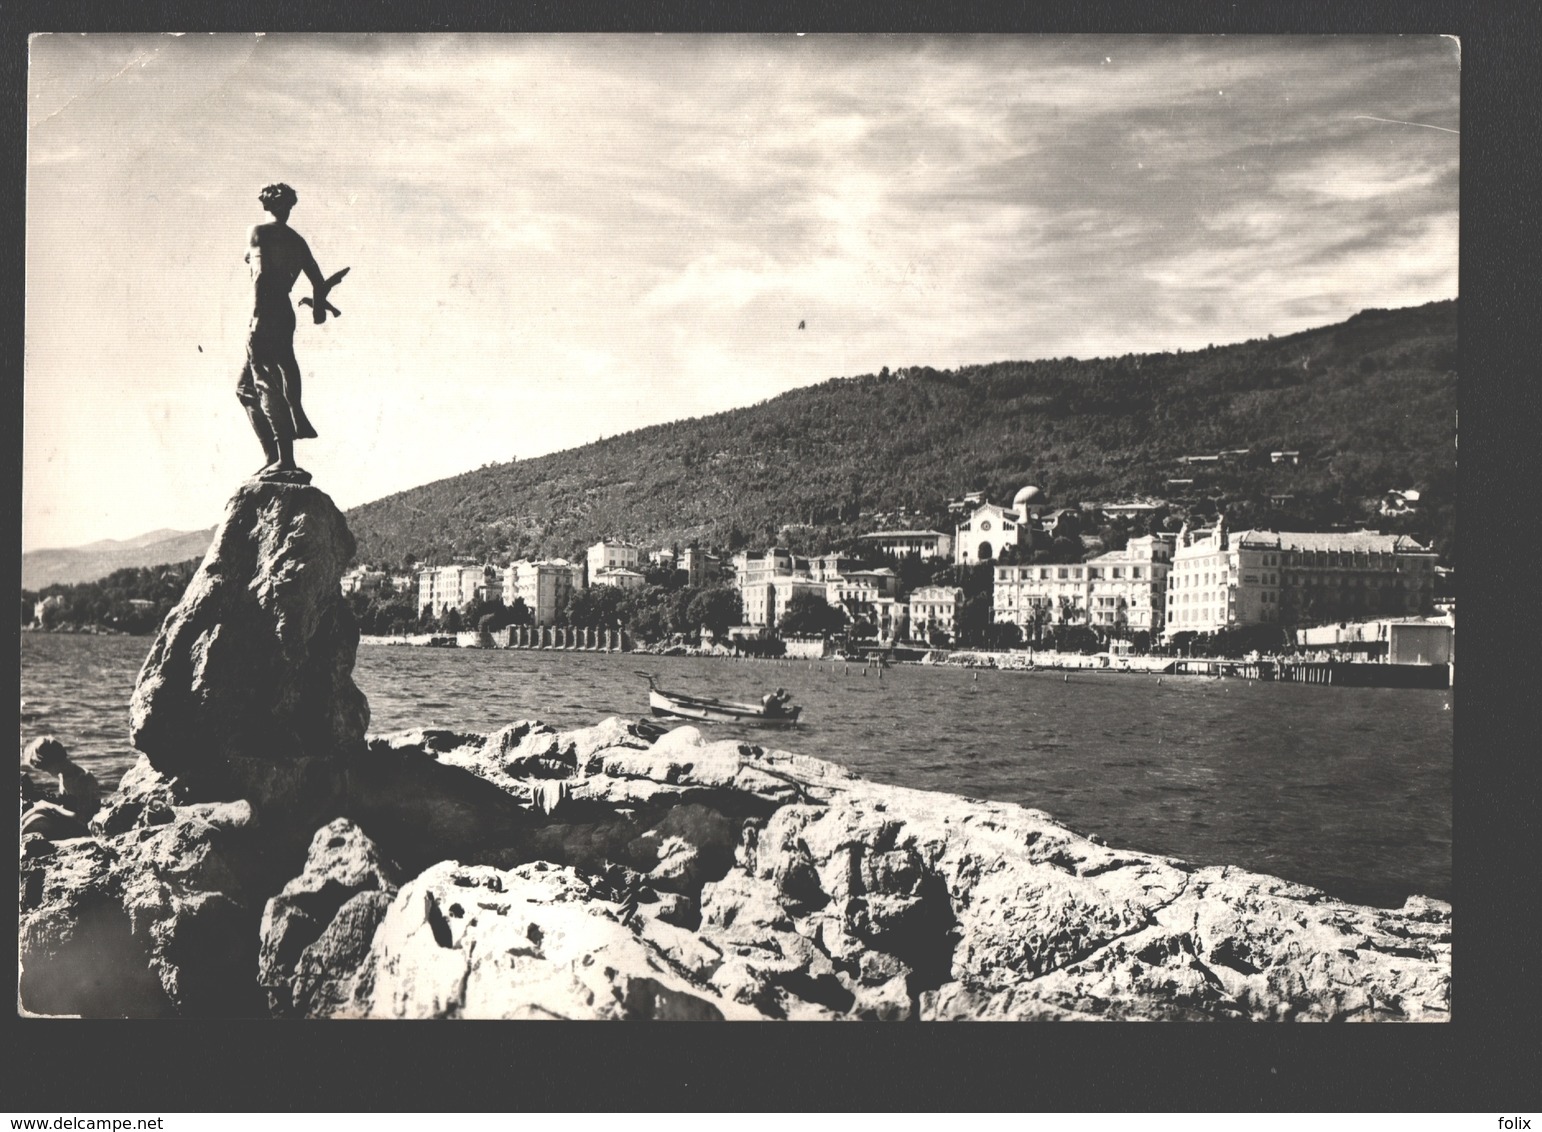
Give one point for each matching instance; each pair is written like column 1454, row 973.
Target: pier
column 1345, row 674
column 566, row 637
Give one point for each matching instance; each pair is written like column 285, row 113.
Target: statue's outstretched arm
column 320, row 288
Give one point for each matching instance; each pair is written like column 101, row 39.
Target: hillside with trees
column 1369, row 404
column 135, row 599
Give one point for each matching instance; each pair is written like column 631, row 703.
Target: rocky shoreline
column 686, row 878
column 265, row 858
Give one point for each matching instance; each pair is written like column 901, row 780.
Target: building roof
column 1115, row 558
column 936, row 593
column 904, row 534
column 1367, row 542
column 997, row 509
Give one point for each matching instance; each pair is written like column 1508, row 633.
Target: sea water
column 1346, row 789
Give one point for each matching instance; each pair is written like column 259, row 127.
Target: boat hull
column 716, row 711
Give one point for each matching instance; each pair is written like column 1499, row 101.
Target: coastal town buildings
column 611, row 555
column 1063, row 521
column 541, row 586
column 765, row 602
column 364, row 580
column 1036, row 596
column 618, row 576
column 966, row 502
column 775, row 562
column 1194, row 582
column 883, row 581
column 926, row 544
column 442, row 588
column 700, row 568
column 1127, row 589
column 1132, row 509
column 935, row 609
column 607, row 555
column 989, row 529
column 1333, row 576
column 891, row 617
column 1395, row 502
column 1397, row 641
column 856, row 596
column 1221, row 580
column 829, row 567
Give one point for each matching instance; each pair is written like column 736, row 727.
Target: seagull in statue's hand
column 319, row 303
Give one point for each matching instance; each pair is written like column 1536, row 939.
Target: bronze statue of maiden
column 269, row 386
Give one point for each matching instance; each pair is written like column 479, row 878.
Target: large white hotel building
column 1121, row 588
column 1222, row 580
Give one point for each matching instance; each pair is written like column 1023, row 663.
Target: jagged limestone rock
column 158, row 920
column 248, row 690
column 531, row 942
column 317, row 930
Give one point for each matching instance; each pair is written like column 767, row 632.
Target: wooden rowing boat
column 702, row 709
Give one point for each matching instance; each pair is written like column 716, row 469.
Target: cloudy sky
column 557, row 238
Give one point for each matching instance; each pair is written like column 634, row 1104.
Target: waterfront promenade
column 1285, row 670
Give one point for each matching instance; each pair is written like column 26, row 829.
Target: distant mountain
column 150, row 538
column 1369, row 404
column 96, row 560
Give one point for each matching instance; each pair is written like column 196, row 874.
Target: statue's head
column 278, row 198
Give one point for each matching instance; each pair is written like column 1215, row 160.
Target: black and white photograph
column 750, row 527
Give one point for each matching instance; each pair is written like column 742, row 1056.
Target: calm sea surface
column 1347, row 789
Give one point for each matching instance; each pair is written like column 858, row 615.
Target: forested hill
column 1369, row 403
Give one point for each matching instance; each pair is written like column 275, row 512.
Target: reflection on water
column 1348, row 789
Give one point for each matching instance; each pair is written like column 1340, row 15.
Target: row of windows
column 1195, row 599
column 1352, row 558
column 1047, row 573
column 1190, row 581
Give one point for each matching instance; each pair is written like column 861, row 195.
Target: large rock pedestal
column 248, row 690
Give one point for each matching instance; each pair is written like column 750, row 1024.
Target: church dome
column 1029, row 495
